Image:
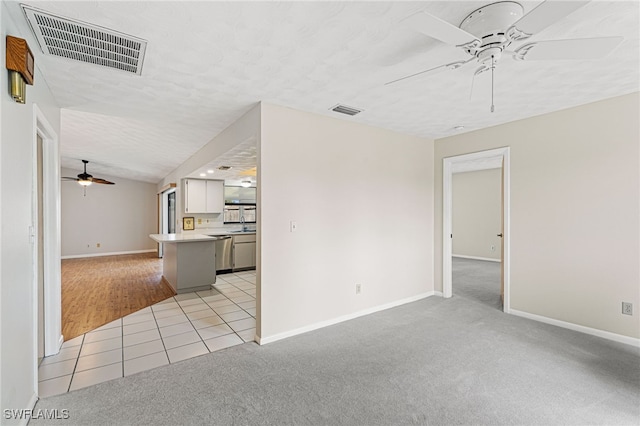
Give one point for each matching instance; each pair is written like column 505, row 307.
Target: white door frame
column 164, row 218
column 482, row 160
column 53, row 338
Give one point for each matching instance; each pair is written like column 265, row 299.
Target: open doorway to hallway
column 476, row 244
column 498, row 158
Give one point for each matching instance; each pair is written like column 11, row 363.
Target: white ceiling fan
column 487, row 33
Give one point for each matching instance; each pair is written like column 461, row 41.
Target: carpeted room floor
column 435, row 361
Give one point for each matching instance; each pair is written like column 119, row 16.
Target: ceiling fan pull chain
column 493, row 68
column 472, row 81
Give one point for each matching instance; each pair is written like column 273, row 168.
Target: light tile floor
column 178, row 328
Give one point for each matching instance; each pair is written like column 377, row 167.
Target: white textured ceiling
column 207, row 63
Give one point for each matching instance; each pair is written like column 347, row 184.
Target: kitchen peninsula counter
column 188, row 262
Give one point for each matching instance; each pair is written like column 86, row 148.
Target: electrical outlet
column 98, row 245
column 358, row 288
column 627, row 308
column 199, row 221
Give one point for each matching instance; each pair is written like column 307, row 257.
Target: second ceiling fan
column 85, row 179
column 486, row 34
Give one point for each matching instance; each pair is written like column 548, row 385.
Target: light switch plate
column 293, row 226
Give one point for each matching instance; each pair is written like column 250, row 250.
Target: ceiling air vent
column 224, row 168
column 85, row 42
column 346, row 110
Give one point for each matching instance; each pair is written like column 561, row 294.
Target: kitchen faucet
column 244, row 226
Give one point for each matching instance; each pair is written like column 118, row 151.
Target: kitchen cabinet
column 203, row 196
column 215, row 196
column 244, row 251
column 195, row 196
column 186, row 261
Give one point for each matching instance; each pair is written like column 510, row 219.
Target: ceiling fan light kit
column 488, row 31
column 488, row 23
column 84, row 179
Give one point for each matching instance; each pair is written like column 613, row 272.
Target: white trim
column 447, row 226
column 24, row 421
column 115, row 253
column 163, row 218
column 580, row 328
column 488, row 259
column 60, row 341
column 51, row 234
column 322, row 324
column 473, row 162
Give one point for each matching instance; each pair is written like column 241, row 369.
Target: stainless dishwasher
column 224, row 253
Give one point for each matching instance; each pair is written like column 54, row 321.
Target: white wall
column 342, row 183
column 476, row 217
column 575, row 189
column 119, row 217
column 18, row 353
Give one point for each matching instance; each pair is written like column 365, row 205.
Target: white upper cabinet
column 195, row 192
column 203, row 196
column 215, row 196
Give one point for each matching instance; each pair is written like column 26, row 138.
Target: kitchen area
column 213, row 234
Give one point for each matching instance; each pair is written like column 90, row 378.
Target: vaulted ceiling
column 207, row 63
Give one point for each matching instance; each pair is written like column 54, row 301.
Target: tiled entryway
column 181, row 327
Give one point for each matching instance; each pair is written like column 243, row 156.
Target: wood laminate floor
column 98, row 290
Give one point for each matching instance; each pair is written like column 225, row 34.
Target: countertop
column 181, row 238
column 218, row 232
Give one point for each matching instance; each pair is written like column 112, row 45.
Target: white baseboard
column 115, row 253
column 581, row 328
column 476, row 258
column 322, row 324
column 57, row 348
column 23, row 420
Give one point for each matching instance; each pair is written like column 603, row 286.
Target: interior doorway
column 484, row 160
column 167, row 213
column 39, row 241
column 45, row 236
column 477, row 223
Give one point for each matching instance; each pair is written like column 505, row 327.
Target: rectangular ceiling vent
column 343, row 109
column 224, row 168
column 84, row 42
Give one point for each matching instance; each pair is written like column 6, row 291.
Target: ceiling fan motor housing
column 490, row 24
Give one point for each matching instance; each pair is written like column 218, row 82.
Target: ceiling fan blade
column 437, row 28
column 451, row 66
column 69, row 178
column 98, row 180
column 544, row 15
column 575, row 49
